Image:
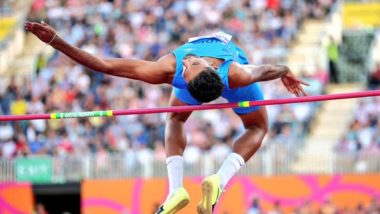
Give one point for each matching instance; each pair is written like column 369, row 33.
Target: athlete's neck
column 214, row 62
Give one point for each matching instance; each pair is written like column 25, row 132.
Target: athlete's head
column 203, row 82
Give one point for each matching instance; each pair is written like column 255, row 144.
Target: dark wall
column 58, row 198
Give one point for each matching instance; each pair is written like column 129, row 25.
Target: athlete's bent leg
column 175, row 143
column 256, row 124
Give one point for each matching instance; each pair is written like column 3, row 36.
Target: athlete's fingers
column 29, row 26
column 289, row 89
column 297, row 93
column 28, row 23
column 303, row 82
column 299, row 89
column 287, row 86
column 290, row 86
column 303, row 91
column 295, row 79
column 300, row 93
column 293, row 90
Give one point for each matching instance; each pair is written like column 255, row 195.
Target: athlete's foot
column 211, row 192
column 175, row 202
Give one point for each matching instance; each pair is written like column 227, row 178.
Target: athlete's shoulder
column 167, row 64
column 238, row 75
column 168, row 60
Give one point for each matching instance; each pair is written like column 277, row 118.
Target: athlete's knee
column 264, row 128
column 259, row 126
column 173, row 124
column 256, row 121
column 174, row 129
column 176, row 118
column 259, row 130
column 250, row 141
column 175, row 137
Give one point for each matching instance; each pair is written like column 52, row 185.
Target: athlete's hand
column 42, row 30
column 293, row 84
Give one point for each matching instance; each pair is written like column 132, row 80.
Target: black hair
column 206, row 86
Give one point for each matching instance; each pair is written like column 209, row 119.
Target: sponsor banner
column 361, row 14
column 35, row 169
column 136, row 196
column 16, row 198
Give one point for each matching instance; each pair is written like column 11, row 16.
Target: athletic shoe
column 211, row 192
column 175, row 202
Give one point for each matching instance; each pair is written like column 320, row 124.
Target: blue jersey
column 221, row 47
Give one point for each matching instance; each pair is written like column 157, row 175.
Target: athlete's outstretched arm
column 242, row 75
column 147, row 71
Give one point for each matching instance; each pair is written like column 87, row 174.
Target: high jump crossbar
column 244, row 104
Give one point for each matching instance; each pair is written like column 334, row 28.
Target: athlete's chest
column 214, row 62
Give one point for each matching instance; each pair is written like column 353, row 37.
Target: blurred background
column 317, row 157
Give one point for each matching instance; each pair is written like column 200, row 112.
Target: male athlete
column 200, row 71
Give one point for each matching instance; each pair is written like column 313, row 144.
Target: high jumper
column 199, row 71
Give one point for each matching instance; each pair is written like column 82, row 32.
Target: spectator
column 7, row 131
column 333, row 55
column 305, row 208
column 255, row 207
column 22, row 148
column 8, row 149
column 19, row 106
column 40, row 209
column 276, row 208
column 328, row 207
column 286, row 136
column 374, row 78
column 374, row 206
column 360, row 209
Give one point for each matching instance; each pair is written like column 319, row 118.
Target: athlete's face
column 193, row 65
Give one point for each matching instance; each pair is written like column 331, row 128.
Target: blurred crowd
column 148, row 29
column 361, row 143
column 5, row 7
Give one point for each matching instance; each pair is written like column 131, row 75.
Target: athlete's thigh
column 178, row 116
column 258, row 118
column 175, row 135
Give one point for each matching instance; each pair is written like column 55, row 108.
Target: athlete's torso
column 218, row 46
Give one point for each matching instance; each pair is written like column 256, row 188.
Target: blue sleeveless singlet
column 218, row 46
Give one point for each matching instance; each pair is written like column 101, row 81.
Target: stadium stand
column 106, row 30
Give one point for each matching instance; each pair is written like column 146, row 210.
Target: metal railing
column 7, row 170
column 274, row 160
